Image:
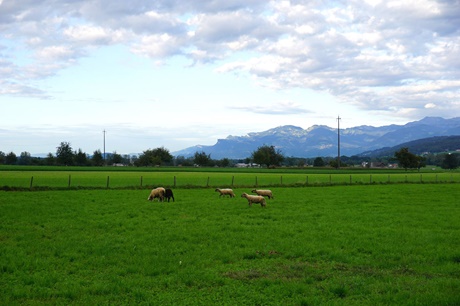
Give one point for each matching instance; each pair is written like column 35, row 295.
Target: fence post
column 108, row 179
column 70, row 178
column 31, row 182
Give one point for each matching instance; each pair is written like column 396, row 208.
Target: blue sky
column 172, row 74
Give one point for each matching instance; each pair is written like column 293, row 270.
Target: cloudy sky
column 174, row 74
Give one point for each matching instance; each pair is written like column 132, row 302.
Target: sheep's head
column 244, row 195
column 254, row 191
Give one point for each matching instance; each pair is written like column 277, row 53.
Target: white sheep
column 157, row 193
column 266, row 193
column 224, row 192
column 254, row 199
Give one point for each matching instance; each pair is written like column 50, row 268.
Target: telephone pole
column 104, row 144
column 338, row 142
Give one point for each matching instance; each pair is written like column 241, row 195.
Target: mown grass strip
column 21, row 180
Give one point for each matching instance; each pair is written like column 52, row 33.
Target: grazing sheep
column 224, row 192
column 169, row 194
column 254, row 199
column 266, row 193
column 157, row 193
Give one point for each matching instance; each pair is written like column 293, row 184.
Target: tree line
column 264, row 156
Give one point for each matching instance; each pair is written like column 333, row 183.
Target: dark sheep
column 169, row 194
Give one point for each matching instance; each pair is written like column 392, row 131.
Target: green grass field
column 379, row 244
column 174, row 177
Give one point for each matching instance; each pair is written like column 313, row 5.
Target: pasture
column 334, row 245
column 221, row 177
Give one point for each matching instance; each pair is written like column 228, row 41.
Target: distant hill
column 321, row 140
column 431, row 145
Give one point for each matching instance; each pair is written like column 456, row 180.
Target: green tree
column 164, row 155
column 50, row 160
column 450, row 161
column 318, row 162
column 80, row 158
column 114, row 158
column 224, row 162
column 267, row 155
column 182, row 161
column 11, row 159
column 97, row 159
column 2, row 157
column 64, row 154
column 158, row 156
column 407, row 160
column 201, row 159
column 25, row 158
column 334, row 163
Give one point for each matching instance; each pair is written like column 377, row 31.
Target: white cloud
column 398, row 58
column 54, row 53
column 92, row 34
column 160, row 45
column 280, row 108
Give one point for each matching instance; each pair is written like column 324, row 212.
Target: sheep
column 169, row 194
column 157, row 193
column 224, row 192
column 267, row 193
column 254, row 199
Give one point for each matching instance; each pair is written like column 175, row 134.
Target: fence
column 202, row 180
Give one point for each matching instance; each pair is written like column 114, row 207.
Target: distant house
column 377, row 165
column 244, row 165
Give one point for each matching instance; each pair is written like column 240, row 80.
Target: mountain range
column 321, row 140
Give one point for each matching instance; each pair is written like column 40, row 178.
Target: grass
column 11, row 179
column 338, row 245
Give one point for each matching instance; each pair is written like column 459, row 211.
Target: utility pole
column 338, row 142
column 104, row 145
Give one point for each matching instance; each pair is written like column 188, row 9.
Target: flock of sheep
column 166, row 193
column 259, row 198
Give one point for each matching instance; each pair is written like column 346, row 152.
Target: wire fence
column 203, row 180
